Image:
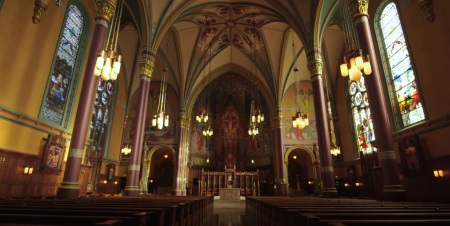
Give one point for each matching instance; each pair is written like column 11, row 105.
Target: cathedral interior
column 267, row 96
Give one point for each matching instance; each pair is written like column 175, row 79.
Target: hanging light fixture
column 203, row 114
column 354, row 61
column 160, row 119
column 108, row 60
column 253, row 128
column 300, row 119
column 335, row 150
column 126, row 150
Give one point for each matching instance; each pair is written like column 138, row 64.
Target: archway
column 300, row 170
column 160, row 170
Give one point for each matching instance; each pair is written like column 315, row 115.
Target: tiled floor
column 227, row 213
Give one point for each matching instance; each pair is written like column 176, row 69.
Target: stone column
column 392, row 189
column 315, row 68
column 69, row 188
column 280, row 174
column 180, row 189
column 146, row 66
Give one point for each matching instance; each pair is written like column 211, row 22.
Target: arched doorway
column 161, row 170
column 301, row 174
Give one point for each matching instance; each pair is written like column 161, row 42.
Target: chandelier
column 208, row 132
column 335, row 150
column 161, row 119
column 354, row 61
column 299, row 120
column 108, row 60
column 126, row 150
column 257, row 117
column 253, row 128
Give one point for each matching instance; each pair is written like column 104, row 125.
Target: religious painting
column 110, row 172
column 53, row 154
column 308, row 134
column 411, row 155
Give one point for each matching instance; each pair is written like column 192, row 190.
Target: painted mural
column 304, row 99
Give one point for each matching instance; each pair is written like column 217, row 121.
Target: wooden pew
column 173, row 211
column 295, row 211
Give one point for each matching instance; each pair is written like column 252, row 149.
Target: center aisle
column 227, row 213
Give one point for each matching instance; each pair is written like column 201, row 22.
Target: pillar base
column 330, row 193
column 131, row 191
column 68, row 190
column 394, row 193
column 179, row 193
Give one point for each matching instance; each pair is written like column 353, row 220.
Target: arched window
column 362, row 120
column 400, row 75
column 101, row 113
column 59, row 96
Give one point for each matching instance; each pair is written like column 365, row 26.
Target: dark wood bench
column 281, row 211
column 173, row 211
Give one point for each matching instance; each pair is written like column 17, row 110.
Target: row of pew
column 139, row 211
column 287, row 211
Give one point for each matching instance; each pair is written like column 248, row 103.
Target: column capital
column 184, row 121
column 358, row 8
column 147, row 62
column 105, row 9
column 315, row 64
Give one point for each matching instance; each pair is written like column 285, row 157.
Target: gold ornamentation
column 315, row 64
column 105, row 9
column 39, row 8
column 427, row 8
column 184, row 122
column 359, row 7
column 147, row 64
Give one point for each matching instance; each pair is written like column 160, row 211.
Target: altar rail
column 211, row 182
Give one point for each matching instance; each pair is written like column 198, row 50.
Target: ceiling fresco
column 222, row 25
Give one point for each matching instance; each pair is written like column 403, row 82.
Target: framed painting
column 53, row 154
column 411, row 155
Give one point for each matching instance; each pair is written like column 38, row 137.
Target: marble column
column 315, row 67
column 280, row 174
column 392, row 189
column 69, row 188
column 180, row 186
column 147, row 66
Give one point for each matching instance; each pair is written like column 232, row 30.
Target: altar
column 229, row 184
column 230, row 193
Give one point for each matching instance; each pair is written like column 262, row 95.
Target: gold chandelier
column 108, row 60
column 126, row 150
column 161, row 119
column 354, row 61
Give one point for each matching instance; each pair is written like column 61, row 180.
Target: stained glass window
column 405, row 91
column 362, row 120
column 101, row 112
column 57, row 98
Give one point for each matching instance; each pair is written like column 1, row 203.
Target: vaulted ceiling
column 260, row 40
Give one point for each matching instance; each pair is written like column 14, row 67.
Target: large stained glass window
column 362, row 120
column 404, row 88
column 57, row 99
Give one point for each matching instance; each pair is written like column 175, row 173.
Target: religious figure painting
column 53, row 153
column 411, row 155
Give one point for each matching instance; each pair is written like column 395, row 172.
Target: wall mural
column 305, row 99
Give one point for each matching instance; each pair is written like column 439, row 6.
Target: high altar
column 229, row 184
